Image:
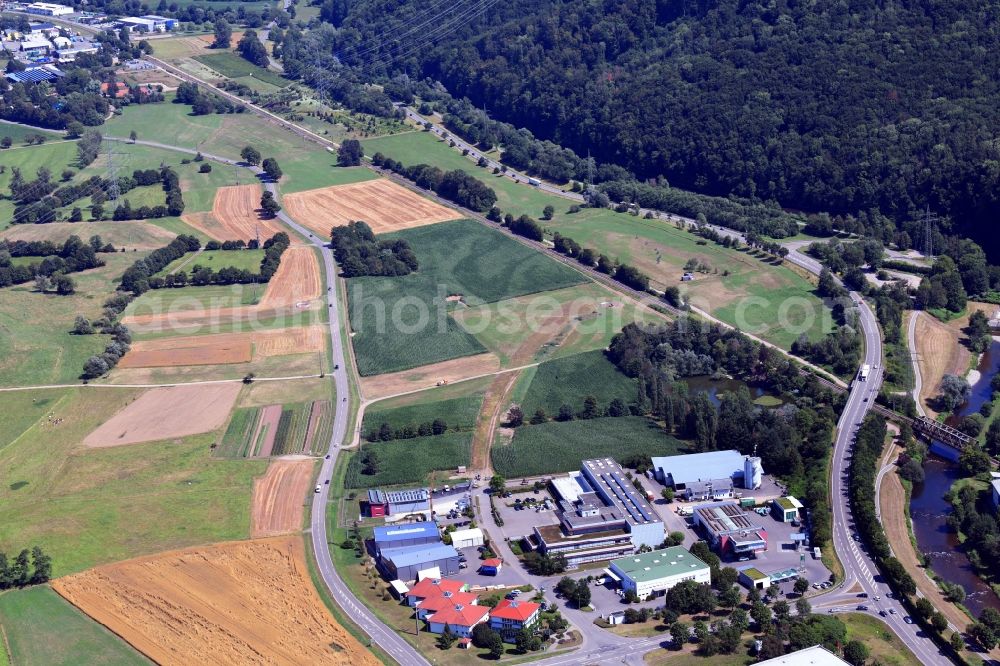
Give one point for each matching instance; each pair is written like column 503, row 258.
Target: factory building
column 412, row 534
column 382, row 503
column 730, row 530
column 601, row 516
column 816, row 655
column 416, row 562
column 48, row 9
column 712, row 467
column 657, row 571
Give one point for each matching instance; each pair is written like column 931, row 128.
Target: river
column 929, row 510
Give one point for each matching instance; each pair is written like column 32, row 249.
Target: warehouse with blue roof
column 410, row 534
column 407, row 562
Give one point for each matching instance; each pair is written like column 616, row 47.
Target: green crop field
column 43, row 628
column 36, row 346
column 91, row 506
column 233, row 66
column 410, row 460
column 567, row 381
column 552, row 324
column 555, row 447
column 247, row 260
column 459, row 413
column 236, row 441
column 402, row 322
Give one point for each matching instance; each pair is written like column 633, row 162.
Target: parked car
column 907, row 619
column 892, row 611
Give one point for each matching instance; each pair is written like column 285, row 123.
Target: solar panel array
column 614, row 482
column 32, row 75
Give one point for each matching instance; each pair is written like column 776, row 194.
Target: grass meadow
column 247, row 260
column 569, row 380
column 459, row 413
column 235, row 67
column 43, row 628
column 91, row 506
column 55, row 156
column 402, row 322
column 410, row 460
column 555, row 447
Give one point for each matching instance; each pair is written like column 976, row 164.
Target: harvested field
column 427, row 376
column 296, row 282
column 938, row 353
column 279, row 498
column 167, row 413
column 223, row 348
column 135, row 235
column 381, row 203
column 234, row 215
column 246, row 602
column 267, row 428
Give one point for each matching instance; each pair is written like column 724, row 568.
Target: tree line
column 25, row 569
column 359, row 252
column 202, row 275
column 55, row 261
column 456, row 185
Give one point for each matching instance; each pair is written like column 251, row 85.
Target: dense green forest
column 845, row 107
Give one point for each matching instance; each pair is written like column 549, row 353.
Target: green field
column 247, row 260
column 21, row 409
column 35, row 342
column 402, row 322
column 55, row 156
column 555, row 447
column 45, row 630
column 410, row 460
column 233, row 66
column 305, row 165
column 551, row 324
column 91, row 506
column 567, row 381
column 459, row 413
column 776, row 303
column 237, row 441
column 16, row 133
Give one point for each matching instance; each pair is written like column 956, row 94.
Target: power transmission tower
column 929, row 219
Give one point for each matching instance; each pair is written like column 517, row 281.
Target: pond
column 714, row 388
column 929, row 510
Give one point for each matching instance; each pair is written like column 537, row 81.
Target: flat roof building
column 730, row 529
column 406, row 562
column 396, row 502
column 786, row 509
column 679, row 471
column 48, row 9
column 412, row 534
column 470, row 538
column 657, row 571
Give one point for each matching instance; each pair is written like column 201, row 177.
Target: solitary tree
column 132, row 136
column 855, row 653
column 250, row 155
column 350, row 153
column 271, row 169
column 223, row 35
column 801, row 585
column 548, row 212
column 268, row 204
column 82, row 326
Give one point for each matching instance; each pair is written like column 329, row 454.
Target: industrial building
column 816, row 655
column 48, row 9
column 657, row 571
column 412, row 534
column 149, row 23
column 416, row 562
column 730, row 530
column 382, row 503
column 471, row 538
column 786, row 509
column 709, row 467
column 601, row 516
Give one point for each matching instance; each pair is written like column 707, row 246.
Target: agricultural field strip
column 161, row 385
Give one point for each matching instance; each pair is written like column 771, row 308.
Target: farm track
column 489, row 416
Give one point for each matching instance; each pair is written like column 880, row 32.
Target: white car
column 318, row 487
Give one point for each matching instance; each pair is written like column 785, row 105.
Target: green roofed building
column 657, row 571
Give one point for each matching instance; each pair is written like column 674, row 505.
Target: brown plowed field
column 268, row 425
column 234, row 215
column 294, row 287
column 427, row 376
column 168, row 413
column 279, row 498
column 223, row 348
column 382, row 204
column 244, row 602
column 296, row 281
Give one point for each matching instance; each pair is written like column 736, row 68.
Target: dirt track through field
column 496, row 398
column 428, row 376
column 245, row 602
column 224, row 348
column 938, row 353
column 235, row 215
column 167, row 413
column 279, row 498
column 382, row 204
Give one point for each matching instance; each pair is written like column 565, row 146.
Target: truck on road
column 864, row 372
column 534, row 181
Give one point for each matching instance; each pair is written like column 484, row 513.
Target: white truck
column 534, row 181
column 864, row 372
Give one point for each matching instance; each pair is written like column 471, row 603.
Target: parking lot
column 520, row 523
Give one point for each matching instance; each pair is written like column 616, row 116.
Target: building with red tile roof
column 433, row 587
column 461, row 619
column 445, row 601
column 511, row 616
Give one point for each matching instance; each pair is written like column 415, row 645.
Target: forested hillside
column 831, row 105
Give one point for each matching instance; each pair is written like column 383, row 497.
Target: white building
column 471, row 538
column 816, row 655
column 657, row 571
column 48, row 9
column 711, row 466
